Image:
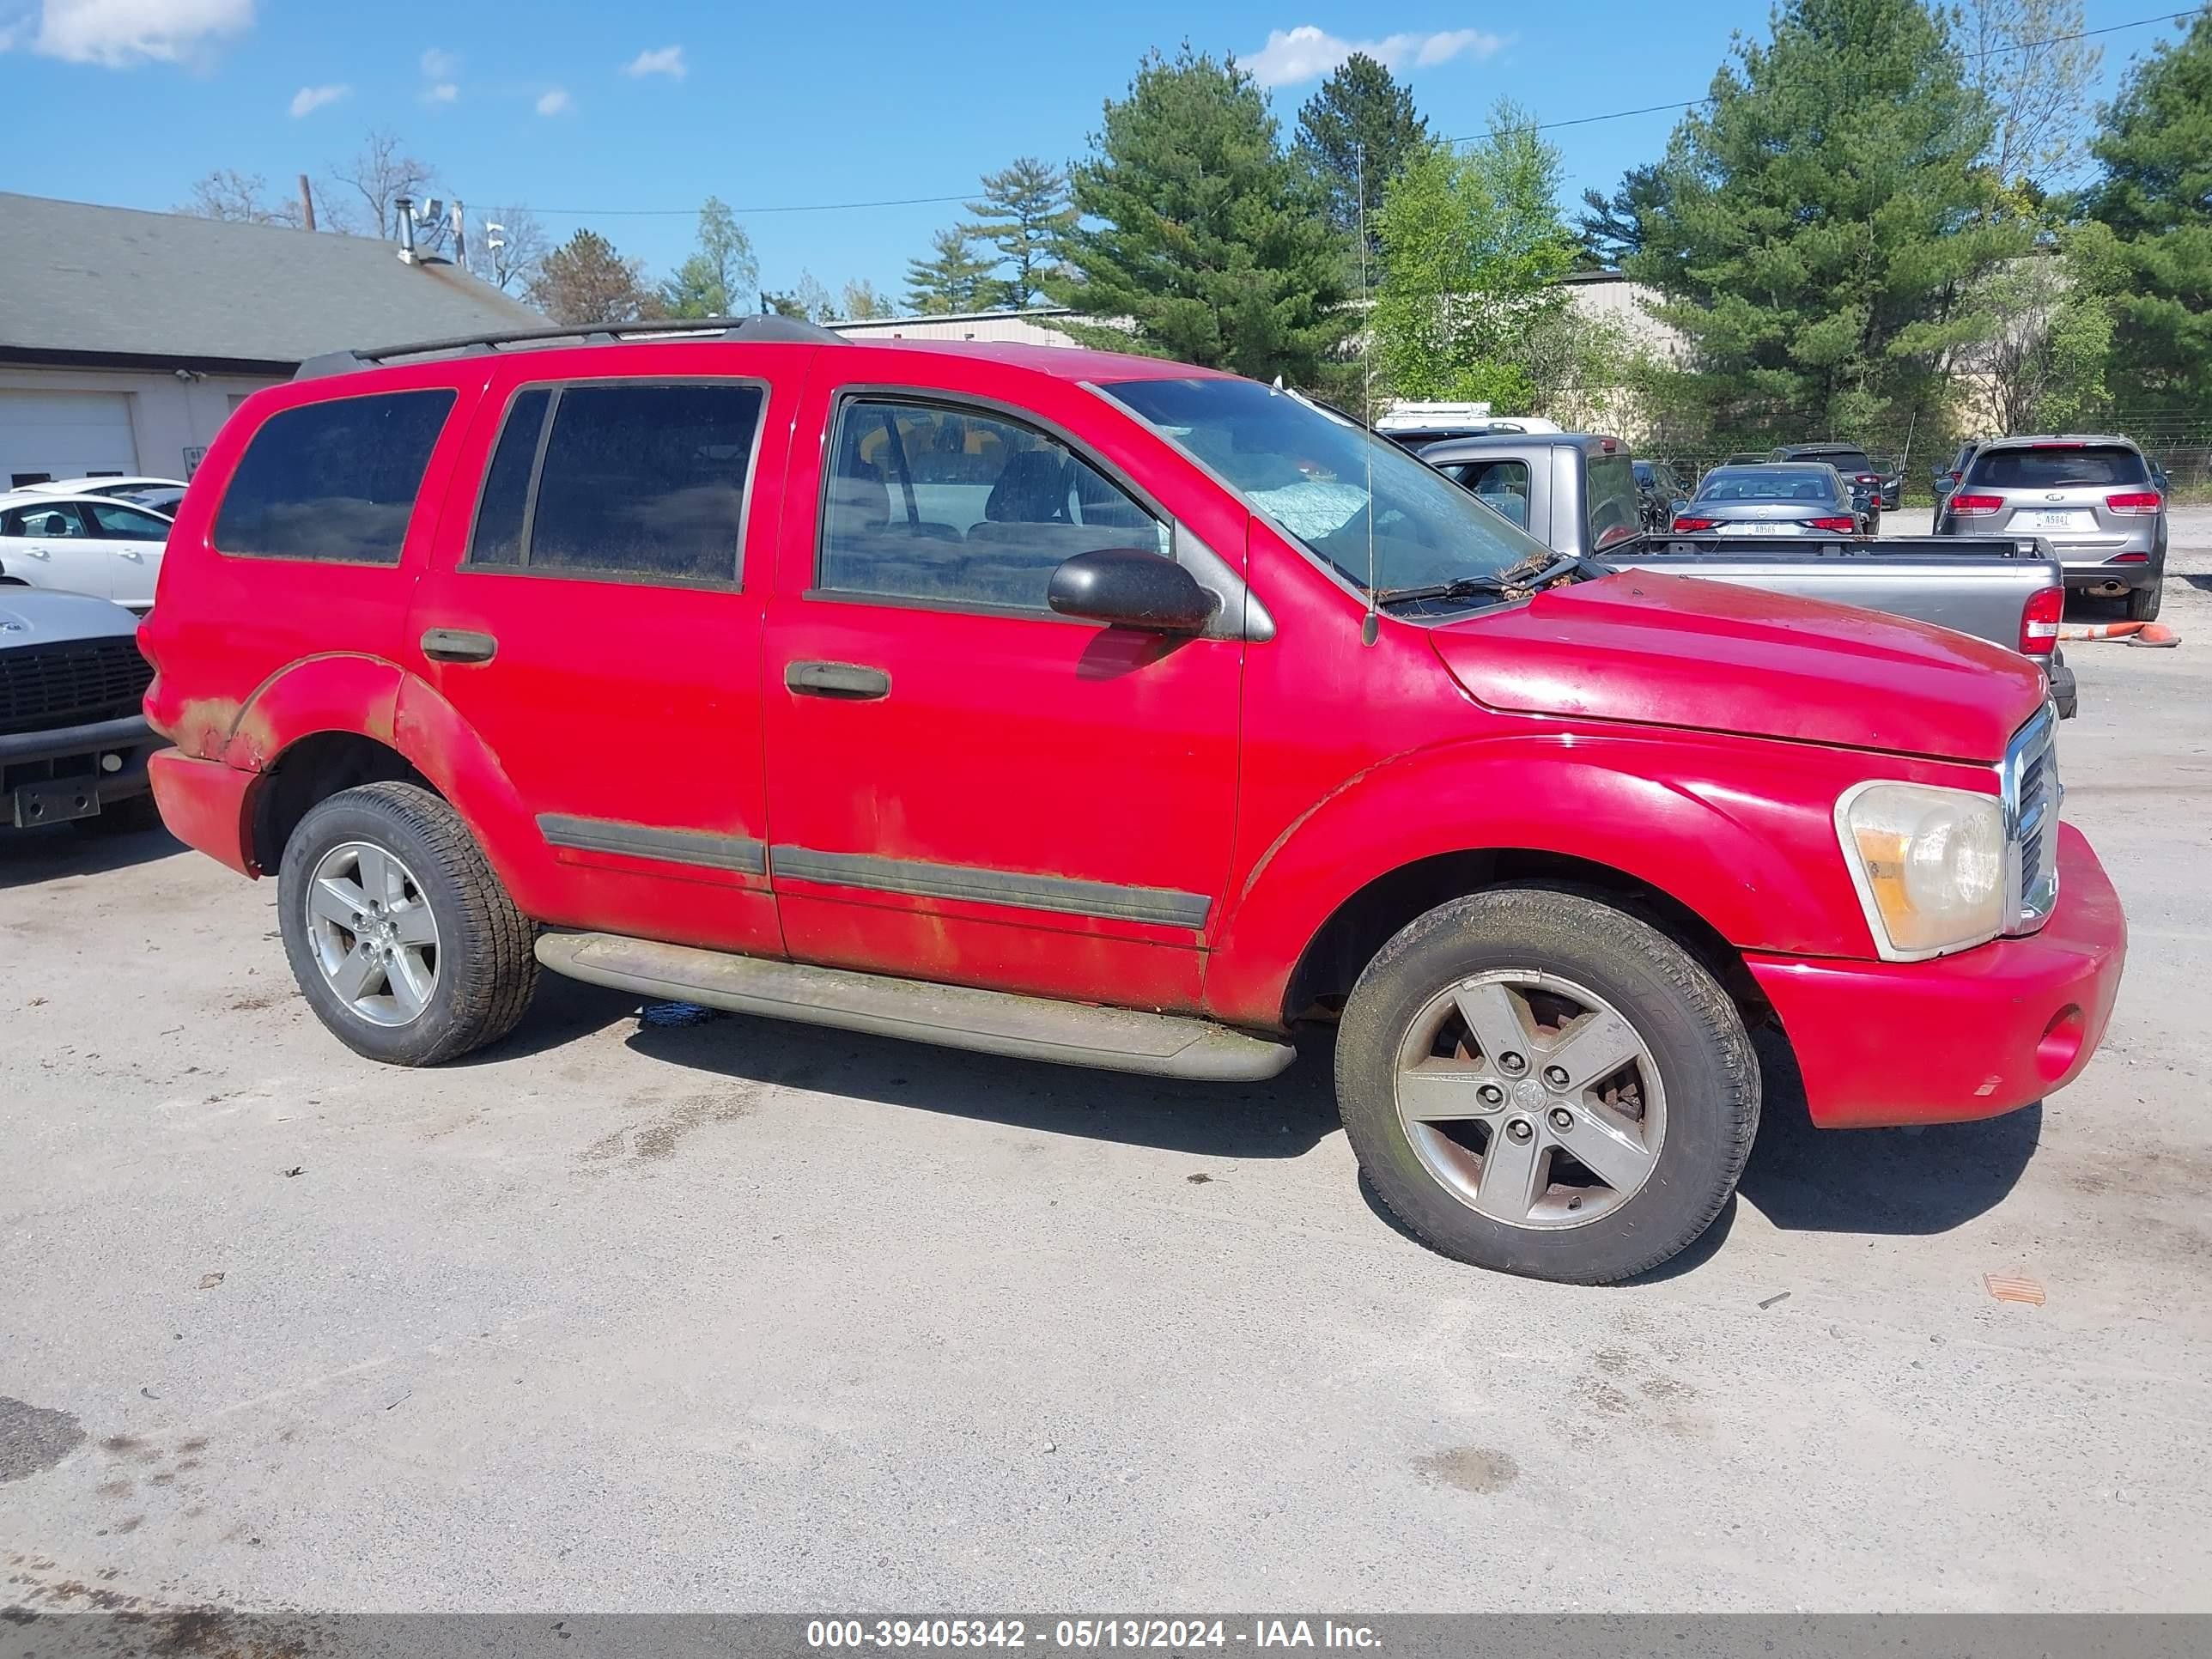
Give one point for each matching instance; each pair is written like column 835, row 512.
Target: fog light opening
column 2061, row 1043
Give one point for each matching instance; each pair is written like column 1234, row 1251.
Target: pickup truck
column 1577, row 492
column 1107, row 711
column 74, row 741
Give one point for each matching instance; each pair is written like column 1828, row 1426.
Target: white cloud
column 1307, row 53
column 668, row 61
column 308, row 99
column 439, row 65
column 556, row 102
column 119, row 33
column 444, row 93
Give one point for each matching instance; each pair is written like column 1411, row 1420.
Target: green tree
column 1024, row 214
column 1205, row 244
column 2154, row 148
column 1826, row 225
column 1355, row 136
column 1611, row 228
column 2044, row 368
column 2028, row 59
column 1474, row 249
column 861, row 301
column 719, row 277
column 586, row 280
column 956, row 278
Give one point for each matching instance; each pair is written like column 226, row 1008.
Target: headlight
column 1929, row 863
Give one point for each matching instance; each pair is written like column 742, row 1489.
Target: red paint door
column 585, row 612
column 963, row 785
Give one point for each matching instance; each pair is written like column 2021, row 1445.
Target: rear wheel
column 1535, row 1081
column 402, row 939
column 2143, row 602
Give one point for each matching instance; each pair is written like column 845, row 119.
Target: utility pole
column 306, row 203
column 460, row 239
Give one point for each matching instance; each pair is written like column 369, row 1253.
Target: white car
column 82, row 545
column 163, row 495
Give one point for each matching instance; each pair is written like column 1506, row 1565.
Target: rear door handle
column 854, row 682
column 457, row 644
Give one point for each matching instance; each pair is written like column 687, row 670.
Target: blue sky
column 590, row 112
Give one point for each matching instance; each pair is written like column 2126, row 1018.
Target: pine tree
column 1024, row 214
column 957, row 279
column 586, row 280
column 1611, row 228
column 1825, row 225
column 1359, row 131
column 1207, row 245
column 2155, row 150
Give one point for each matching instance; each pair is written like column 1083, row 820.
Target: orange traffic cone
column 2134, row 633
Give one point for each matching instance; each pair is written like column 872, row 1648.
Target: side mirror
column 1131, row 587
column 1677, row 507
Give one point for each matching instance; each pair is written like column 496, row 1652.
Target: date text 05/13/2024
column 1087, row 1635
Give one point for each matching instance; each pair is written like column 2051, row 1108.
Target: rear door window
column 2059, row 468
column 623, row 481
column 333, row 481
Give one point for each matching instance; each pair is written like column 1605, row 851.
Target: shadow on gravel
column 562, row 1011
column 62, row 850
column 1876, row 1181
column 1283, row 1117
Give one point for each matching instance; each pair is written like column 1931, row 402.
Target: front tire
column 402, row 937
column 1537, row 1082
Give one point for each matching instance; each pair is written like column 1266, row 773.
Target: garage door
column 64, row 434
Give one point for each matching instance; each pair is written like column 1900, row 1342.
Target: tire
column 2143, row 602
column 133, row 816
column 1702, row 1106
column 481, row 969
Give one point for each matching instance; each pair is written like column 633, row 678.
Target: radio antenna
column 1370, row 627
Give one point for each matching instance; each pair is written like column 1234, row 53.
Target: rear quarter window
column 2057, row 469
column 333, row 481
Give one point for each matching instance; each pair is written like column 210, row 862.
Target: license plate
column 56, row 803
column 2060, row 521
column 1744, row 529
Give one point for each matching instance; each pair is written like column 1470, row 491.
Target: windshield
column 1768, row 483
column 1308, row 470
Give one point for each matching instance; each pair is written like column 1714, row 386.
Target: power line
column 1541, row 127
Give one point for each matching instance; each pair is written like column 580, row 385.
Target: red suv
column 1106, row 711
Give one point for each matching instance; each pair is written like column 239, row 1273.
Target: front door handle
column 457, row 644
column 852, row 681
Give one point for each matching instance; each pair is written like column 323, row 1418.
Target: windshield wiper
column 1515, row 581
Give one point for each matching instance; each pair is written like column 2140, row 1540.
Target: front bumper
column 1963, row 1036
column 74, row 771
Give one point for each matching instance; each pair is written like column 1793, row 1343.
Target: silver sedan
column 1774, row 498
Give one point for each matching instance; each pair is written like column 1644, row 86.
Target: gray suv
column 2093, row 498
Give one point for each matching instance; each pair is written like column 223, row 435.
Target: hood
column 33, row 615
column 1665, row 650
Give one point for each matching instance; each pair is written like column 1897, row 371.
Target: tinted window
column 641, row 481
column 498, row 537
column 2056, row 468
column 1615, row 511
column 1844, row 460
column 332, row 480
column 126, row 523
column 932, row 502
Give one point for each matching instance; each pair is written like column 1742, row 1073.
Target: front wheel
column 1538, row 1082
column 402, row 936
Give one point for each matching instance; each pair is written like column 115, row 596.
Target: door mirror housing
column 1679, row 506
column 1131, row 587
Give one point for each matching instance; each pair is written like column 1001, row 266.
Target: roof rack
column 766, row 329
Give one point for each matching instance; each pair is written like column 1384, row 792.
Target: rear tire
column 2143, row 602
column 402, row 939
column 1666, row 1131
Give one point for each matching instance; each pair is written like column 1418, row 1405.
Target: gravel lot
column 751, row 1316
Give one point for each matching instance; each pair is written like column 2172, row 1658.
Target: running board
column 953, row 1015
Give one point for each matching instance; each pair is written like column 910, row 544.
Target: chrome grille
column 2032, row 797
column 45, row 687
